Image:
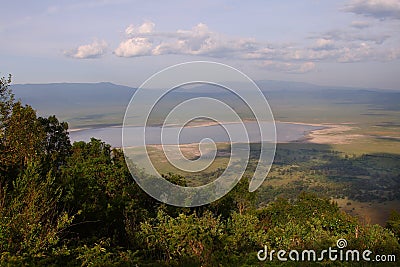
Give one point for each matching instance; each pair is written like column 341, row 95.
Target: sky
column 341, row 43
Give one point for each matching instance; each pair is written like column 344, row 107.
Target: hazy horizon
column 256, row 81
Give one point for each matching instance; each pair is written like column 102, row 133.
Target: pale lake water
column 286, row 132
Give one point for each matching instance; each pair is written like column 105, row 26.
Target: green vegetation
column 77, row 205
column 368, row 181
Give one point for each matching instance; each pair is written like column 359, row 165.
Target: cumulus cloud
column 134, row 47
column 93, row 50
column 381, row 9
column 199, row 40
column 146, row 27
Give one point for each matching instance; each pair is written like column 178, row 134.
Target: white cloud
column 146, row 27
column 169, row 48
column 354, row 35
column 134, row 47
column 93, row 50
column 197, row 41
column 365, row 52
column 356, row 54
column 324, row 44
column 381, row 9
column 261, row 53
column 307, row 67
column 288, row 67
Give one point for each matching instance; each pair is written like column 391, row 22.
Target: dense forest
column 64, row 204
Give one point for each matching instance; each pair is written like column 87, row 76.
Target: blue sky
column 343, row 43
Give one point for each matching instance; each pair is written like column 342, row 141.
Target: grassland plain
column 365, row 185
column 354, row 159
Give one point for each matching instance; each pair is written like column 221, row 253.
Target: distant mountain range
column 84, row 104
column 48, row 98
column 80, row 104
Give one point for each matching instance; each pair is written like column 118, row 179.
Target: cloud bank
column 143, row 40
column 356, row 43
column 381, row 9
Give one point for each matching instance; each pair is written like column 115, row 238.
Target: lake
column 286, row 132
